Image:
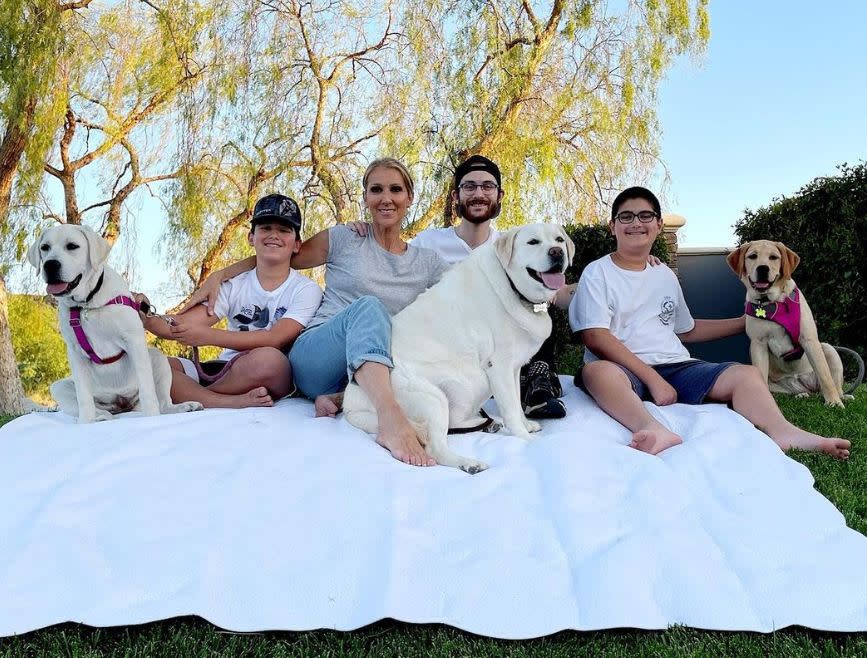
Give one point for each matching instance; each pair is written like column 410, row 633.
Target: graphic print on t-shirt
column 258, row 317
column 668, row 309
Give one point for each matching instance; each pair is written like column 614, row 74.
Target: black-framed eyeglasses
column 644, row 216
column 469, row 187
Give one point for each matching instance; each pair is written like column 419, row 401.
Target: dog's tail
column 859, row 362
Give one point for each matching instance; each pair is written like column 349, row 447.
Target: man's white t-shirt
column 644, row 310
column 249, row 307
column 448, row 244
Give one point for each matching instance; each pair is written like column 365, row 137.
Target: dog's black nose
column 52, row 269
column 762, row 272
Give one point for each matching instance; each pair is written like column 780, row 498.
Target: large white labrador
column 468, row 336
column 71, row 260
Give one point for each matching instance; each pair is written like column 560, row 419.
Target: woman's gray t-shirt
column 359, row 266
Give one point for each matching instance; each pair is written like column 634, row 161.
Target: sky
column 779, row 98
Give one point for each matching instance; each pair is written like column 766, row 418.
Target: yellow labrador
column 781, row 327
column 467, row 338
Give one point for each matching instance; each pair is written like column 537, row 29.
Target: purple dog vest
column 785, row 312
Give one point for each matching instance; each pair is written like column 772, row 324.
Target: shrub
column 39, row 348
column 592, row 241
column 826, row 224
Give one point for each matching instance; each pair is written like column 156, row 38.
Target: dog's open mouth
column 62, row 287
column 761, row 286
column 553, row 279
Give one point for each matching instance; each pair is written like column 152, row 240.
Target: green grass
column 844, row 483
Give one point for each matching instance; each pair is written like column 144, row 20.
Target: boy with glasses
column 633, row 320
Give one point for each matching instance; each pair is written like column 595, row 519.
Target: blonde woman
column 367, row 280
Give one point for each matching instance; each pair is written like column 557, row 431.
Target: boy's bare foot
column 397, row 436
column 257, row 397
column 654, row 440
column 802, row 440
column 328, row 405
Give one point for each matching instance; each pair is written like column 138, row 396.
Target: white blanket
column 271, row 519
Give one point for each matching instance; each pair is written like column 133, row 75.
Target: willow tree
column 293, row 108
column 120, row 98
column 562, row 94
column 32, row 44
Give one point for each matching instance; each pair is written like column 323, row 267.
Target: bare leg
column 328, row 404
column 254, row 380
column 748, row 393
column 395, row 433
column 611, row 389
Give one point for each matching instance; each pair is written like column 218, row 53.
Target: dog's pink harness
column 785, row 312
column 81, row 337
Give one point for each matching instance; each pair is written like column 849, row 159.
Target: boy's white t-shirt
column 249, row 307
column 448, row 244
column 644, row 310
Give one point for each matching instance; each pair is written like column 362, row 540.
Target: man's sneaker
column 540, row 390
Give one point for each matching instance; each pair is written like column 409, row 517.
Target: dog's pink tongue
column 553, row 280
column 54, row 288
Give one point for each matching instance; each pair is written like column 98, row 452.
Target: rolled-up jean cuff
column 376, row 356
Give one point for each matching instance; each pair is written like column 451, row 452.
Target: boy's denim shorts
column 692, row 379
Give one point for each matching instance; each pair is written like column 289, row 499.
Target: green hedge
column 825, row 223
column 591, row 242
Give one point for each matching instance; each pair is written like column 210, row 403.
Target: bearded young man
column 476, row 198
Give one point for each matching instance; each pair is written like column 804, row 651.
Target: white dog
column 467, row 338
column 112, row 368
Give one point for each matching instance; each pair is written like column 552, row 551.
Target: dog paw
column 801, row 396
column 190, row 406
column 532, row 425
column 474, row 467
column 521, row 434
column 835, row 403
column 847, row 396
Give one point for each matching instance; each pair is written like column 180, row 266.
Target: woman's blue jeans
column 325, row 358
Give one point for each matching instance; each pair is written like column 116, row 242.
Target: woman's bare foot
column 397, row 436
column 328, row 405
column 802, row 440
column 654, row 440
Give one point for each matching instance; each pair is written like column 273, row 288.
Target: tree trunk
column 11, row 149
column 11, row 392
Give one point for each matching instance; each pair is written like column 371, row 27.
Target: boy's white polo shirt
column 644, row 310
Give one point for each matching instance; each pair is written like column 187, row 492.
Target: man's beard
column 493, row 211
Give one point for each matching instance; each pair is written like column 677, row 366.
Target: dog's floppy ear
column 33, row 255
column 505, row 245
column 790, row 260
column 570, row 246
column 97, row 246
column 736, row 259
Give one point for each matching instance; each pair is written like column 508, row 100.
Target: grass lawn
column 845, row 484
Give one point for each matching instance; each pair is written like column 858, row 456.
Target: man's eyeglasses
column 627, row 217
column 470, row 187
